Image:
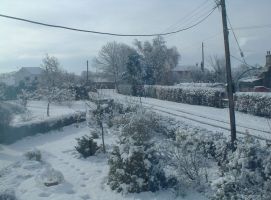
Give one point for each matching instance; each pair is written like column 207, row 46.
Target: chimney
column 268, row 60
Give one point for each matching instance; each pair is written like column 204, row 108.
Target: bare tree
column 218, row 65
column 112, row 60
column 50, row 79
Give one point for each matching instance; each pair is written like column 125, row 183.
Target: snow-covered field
column 83, row 178
column 37, row 111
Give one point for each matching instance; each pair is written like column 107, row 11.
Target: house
column 182, row 73
column 263, row 80
column 8, row 78
column 98, row 80
column 28, row 75
column 104, row 83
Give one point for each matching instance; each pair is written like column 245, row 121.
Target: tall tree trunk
column 103, row 136
column 48, row 109
column 116, row 85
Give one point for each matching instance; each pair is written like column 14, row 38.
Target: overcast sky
column 24, row 45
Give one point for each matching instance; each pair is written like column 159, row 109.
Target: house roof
column 249, row 80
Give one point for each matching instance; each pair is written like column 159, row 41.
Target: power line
column 253, row 27
column 197, row 9
column 108, row 33
column 204, row 40
column 235, row 37
column 241, row 61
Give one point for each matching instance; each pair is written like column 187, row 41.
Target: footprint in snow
column 66, row 163
column 78, row 169
column 72, row 166
column 70, row 191
column 85, row 196
column 82, row 173
column 86, row 178
column 44, row 194
column 83, row 185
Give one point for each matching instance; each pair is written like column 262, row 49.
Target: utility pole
column 87, row 71
column 202, row 57
column 228, row 70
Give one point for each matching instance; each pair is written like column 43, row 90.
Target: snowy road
column 214, row 119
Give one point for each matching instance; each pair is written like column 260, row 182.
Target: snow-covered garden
column 125, row 151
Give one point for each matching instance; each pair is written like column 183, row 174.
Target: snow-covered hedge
column 192, row 84
column 254, row 103
column 191, row 95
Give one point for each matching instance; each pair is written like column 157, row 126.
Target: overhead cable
column 107, row 33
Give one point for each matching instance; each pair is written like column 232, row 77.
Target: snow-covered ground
column 37, row 111
column 214, row 119
column 86, row 178
column 83, row 178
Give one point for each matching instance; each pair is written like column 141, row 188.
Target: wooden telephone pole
column 202, row 57
column 87, row 71
column 228, row 70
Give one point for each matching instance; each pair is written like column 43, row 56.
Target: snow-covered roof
column 33, row 70
column 249, row 80
column 102, row 80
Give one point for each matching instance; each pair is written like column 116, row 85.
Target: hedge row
column 254, row 103
column 206, row 96
column 258, row 104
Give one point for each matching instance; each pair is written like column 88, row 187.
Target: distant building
column 98, row 80
column 28, row 74
column 263, row 80
column 8, row 78
column 182, row 73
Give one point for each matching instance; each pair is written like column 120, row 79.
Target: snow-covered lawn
column 37, row 111
column 83, row 178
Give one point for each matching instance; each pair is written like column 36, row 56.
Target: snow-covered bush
column 7, row 195
column 189, row 156
column 95, row 134
column 23, row 98
column 7, row 110
column 86, row 146
column 33, row 155
column 5, row 115
column 254, row 103
column 247, row 172
column 135, row 164
column 191, row 162
column 50, row 177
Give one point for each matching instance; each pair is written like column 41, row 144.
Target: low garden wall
column 11, row 134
